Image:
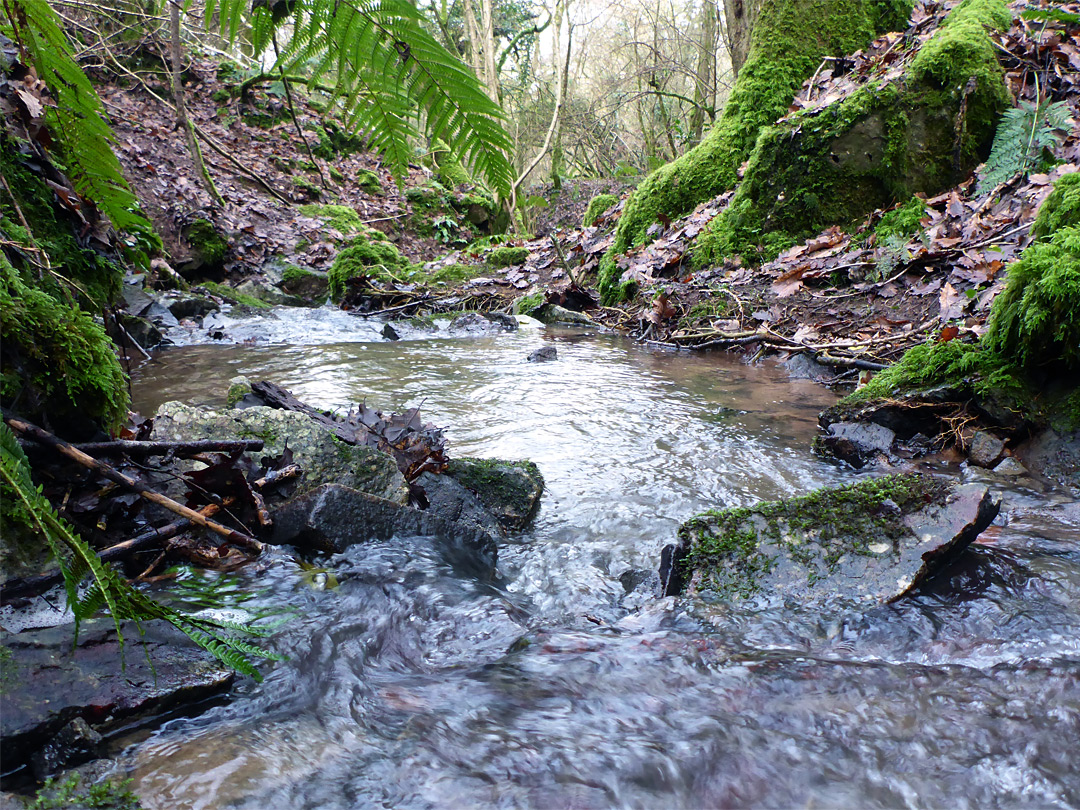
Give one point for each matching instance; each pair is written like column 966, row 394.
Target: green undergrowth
column 376, row 259
column 597, row 205
column 726, row 546
column 73, row 792
column 1061, row 208
column 877, row 146
column 507, row 256
column 787, row 45
column 903, row 221
column 342, row 218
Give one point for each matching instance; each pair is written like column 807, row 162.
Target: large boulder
column 870, row 542
column 334, row 517
column 323, row 457
column 49, row 686
column 510, row 490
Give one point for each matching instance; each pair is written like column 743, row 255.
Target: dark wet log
column 35, row 433
column 133, row 448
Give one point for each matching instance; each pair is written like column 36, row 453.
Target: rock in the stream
column 871, row 542
column 451, row 501
column 553, row 314
column 48, row 686
column 483, row 322
column 986, row 449
column 324, row 459
column 390, row 333
column 334, row 517
column 511, row 490
column 857, row 443
column 543, row 354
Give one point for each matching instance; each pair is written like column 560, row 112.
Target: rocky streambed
column 462, row 655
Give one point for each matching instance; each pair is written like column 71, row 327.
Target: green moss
column 336, row 175
column 221, row 95
column 205, row 240
column 1035, row 322
column 66, row 364
column 53, row 231
column 725, row 545
column 341, row 218
column 451, row 274
column 292, row 273
column 311, row 189
column 369, row 181
column 597, row 205
column 507, row 256
column 903, row 221
column 878, row 145
column 233, row 296
column 432, row 197
column 380, row 260
column 1062, row 208
column 528, row 304
column 489, row 479
column 787, row 45
column 449, row 169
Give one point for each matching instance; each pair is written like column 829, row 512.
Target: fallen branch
column 133, row 448
column 44, row 437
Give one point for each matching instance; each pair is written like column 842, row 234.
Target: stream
column 566, row 682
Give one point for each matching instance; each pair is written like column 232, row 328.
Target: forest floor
column 850, row 298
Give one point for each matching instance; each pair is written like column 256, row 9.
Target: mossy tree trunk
column 787, row 43
column 740, row 16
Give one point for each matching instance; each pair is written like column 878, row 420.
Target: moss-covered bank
column 787, row 45
column 1027, row 364
column 921, row 133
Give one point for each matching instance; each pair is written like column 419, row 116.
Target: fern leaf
column 1022, row 135
column 79, row 118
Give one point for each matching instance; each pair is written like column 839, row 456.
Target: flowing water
column 566, row 682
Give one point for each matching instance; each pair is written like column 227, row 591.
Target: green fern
column 107, row 590
column 389, row 74
column 1022, row 135
column 78, row 119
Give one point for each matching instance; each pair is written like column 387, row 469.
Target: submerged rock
column 543, row 354
column 511, row 490
column 57, row 698
column 873, row 541
column 322, row 456
column 483, row 322
column 334, row 517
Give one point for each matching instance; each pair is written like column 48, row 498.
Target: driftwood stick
column 134, row 448
column 44, row 437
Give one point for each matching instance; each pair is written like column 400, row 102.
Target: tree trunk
column 741, row 16
column 182, row 119
column 705, row 79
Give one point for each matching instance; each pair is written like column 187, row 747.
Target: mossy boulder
column 510, row 490
column 448, row 167
column 529, row 304
column 323, row 457
column 209, row 249
column 788, row 42
column 507, row 256
column 368, row 181
column 376, row 259
column 869, row 542
column 873, row 148
column 597, row 206
column 307, row 285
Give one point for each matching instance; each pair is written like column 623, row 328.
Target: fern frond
column 1022, row 135
column 107, row 589
column 390, row 76
column 79, row 118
